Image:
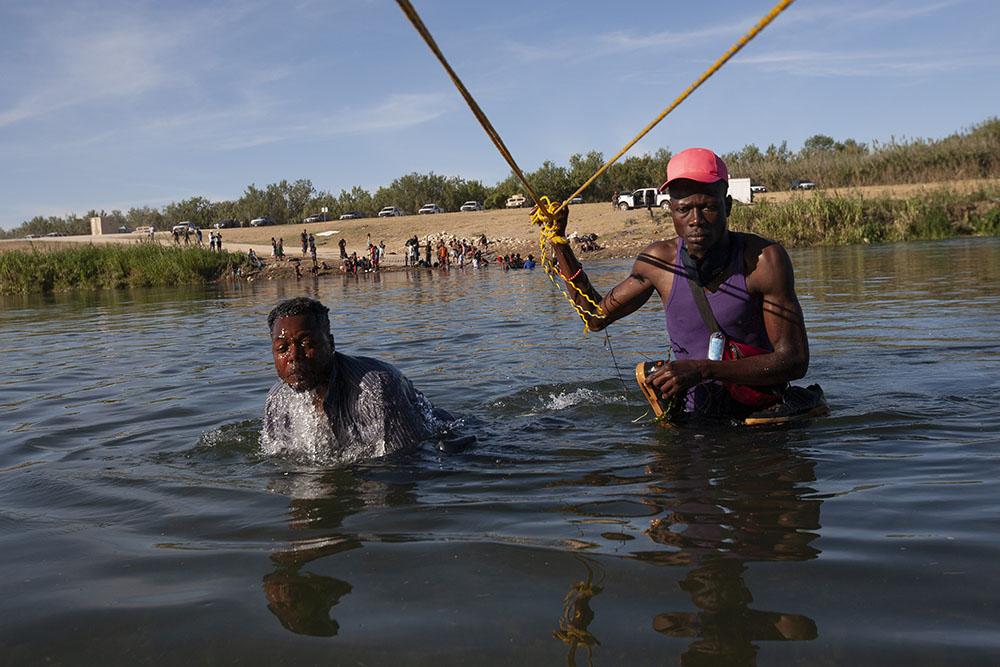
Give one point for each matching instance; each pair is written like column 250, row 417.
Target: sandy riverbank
column 620, row 233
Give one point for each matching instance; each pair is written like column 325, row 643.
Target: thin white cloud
column 117, row 62
column 865, row 15
column 620, row 41
column 94, row 56
column 863, row 64
column 398, row 110
column 580, row 48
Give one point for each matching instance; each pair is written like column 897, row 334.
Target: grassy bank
column 111, row 265
column 821, row 219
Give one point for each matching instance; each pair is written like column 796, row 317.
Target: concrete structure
column 103, row 224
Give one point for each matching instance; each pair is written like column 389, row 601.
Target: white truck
column 739, row 189
column 517, row 201
column 642, row 198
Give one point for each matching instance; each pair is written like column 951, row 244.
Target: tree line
column 972, row 153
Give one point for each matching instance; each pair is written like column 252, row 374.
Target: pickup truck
column 642, row 198
column 739, row 190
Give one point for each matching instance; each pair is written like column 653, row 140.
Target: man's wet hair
column 301, row 305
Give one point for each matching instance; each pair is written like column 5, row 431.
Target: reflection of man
column 356, row 407
column 301, row 599
column 747, row 280
column 725, row 628
column 729, row 504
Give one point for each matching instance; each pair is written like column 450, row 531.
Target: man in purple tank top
column 747, row 280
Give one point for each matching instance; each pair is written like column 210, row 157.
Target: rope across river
column 546, row 210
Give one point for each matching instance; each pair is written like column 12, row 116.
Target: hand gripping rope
column 545, row 211
column 544, row 217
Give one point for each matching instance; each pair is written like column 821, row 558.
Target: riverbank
column 792, row 218
column 796, row 219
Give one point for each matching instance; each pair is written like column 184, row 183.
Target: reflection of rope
column 577, row 615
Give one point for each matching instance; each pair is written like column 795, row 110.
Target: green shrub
column 108, row 266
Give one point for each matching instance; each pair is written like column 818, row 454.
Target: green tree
column 144, row 217
column 196, row 209
column 818, row 143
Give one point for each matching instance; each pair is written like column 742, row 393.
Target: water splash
column 383, row 428
column 310, row 438
column 580, row 396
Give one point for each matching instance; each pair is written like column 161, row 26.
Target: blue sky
column 112, row 104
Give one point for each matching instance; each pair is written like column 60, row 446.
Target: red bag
column 755, row 397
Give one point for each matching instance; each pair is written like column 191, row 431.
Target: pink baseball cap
column 696, row 164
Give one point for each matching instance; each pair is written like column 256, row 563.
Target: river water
column 140, row 524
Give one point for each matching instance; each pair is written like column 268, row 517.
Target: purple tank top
column 739, row 314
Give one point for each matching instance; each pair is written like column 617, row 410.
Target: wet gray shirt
column 371, row 410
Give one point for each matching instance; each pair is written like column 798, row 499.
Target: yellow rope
column 545, row 211
column 411, row 14
column 733, row 50
column 544, row 216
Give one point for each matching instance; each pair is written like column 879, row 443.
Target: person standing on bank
column 748, row 286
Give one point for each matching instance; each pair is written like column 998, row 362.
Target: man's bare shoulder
column 656, row 262
column 755, row 244
column 767, row 262
column 661, row 248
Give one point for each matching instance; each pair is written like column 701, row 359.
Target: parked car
column 576, row 200
column 226, row 224
column 389, row 212
column 471, row 206
column 517, row 201
column 125, row 229
column 317, row 217
column 430, row 208
column 180, row 227
column 757, row 187
column 56, row 234
column 262, row 221
column 352, row 215
column 803, row 184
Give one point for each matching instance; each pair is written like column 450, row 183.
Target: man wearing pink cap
column 739, row 287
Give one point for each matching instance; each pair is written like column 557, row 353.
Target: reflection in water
column 720, row 499
column 730, row 502
column 302, row 600
column 725, row 627
column 577, row 614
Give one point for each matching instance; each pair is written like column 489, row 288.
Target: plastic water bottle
column 715, row 343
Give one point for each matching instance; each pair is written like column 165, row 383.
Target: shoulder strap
column 700, row 299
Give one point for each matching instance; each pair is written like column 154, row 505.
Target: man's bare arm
column 623, row 299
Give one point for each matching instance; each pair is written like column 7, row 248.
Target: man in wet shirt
column 364, row 408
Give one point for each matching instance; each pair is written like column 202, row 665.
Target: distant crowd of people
column 214, row 238
column 431, row 253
